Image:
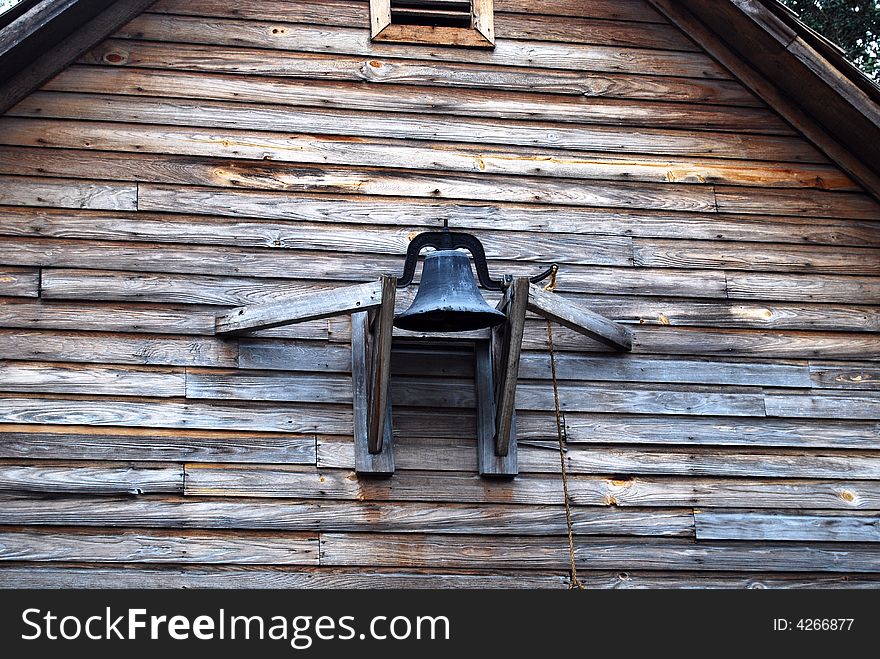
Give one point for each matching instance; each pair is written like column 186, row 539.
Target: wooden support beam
column 579, row 319
column 300, row 308
column 508, row 367
column 380, row 370
column 489, row 462
column 381, row 463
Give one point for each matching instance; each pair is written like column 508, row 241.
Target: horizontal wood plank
column 47, row 575
column 91, row 479
column 310, row 515
column 107, row 576
column 443, row 455
column 724, row 462
column 467, row 113
column 203, row 230
column 198, row 415
column 240, row 385
column 107, row 317
column 630, row 10
column 726, row 492
column 248, row 174
column 435, row 550
column 483, row 217
column 364, row 152
column 587, row 490
column 353, row 41
column 154, row 285
column 57, row 442
column 766, row 344
column 852, row 405
column 532, row 25
column 19, row 282
column 63, row 193
column 421, row 392
column 775, row 526
column 812, row 288
column 809, row 203
column 90, row 379
column 745, row 256
column 845, row 376
column 624, row 429
column 600, row 135
column 167, row 350
column 159, row 309
column 157, row 547
column 386, row 68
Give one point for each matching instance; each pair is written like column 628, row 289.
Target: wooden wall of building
column 208, row 156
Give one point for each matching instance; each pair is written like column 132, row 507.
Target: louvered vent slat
column 438, row 13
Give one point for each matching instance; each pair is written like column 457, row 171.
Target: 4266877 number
column 813, row 624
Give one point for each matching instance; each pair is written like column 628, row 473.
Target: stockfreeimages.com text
column 299, row 631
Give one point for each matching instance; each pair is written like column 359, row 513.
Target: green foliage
column 7, row 4
column 854, row 25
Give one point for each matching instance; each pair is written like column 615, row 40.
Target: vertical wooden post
column 489, row 462
column 380, row 370
column 381, row 463
column 508, row 368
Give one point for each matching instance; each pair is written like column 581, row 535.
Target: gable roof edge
column 775, row 59
column 61, row 30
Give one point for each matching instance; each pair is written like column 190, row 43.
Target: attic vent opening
column 463, row 23
column 432, row 13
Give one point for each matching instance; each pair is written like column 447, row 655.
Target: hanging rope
column 574, row 582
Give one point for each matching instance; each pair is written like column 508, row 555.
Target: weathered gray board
column 176, row 173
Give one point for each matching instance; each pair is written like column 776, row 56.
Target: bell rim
column 481, row 320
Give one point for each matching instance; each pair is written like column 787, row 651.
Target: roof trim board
column 50, row 36
column 796, row 72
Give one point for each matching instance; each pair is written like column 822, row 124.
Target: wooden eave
column 46, row 36
column 796, row 71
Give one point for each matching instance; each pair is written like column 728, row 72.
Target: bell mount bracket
column 446, row 239
column 371, row 307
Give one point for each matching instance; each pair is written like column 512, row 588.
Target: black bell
column 448, row 299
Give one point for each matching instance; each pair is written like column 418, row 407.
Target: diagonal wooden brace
column 581, row 320
column 300, row 308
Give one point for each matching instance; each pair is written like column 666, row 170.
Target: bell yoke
column 448, row 298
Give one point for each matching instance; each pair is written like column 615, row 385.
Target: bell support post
column 380, row 368
column 380, row 463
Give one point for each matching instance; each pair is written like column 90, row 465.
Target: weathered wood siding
column 207, row 157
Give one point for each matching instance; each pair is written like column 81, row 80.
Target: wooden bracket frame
column 497, row 366
column 481, row 34
column 497, row 370
column 372, row 308
column 496, row 357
